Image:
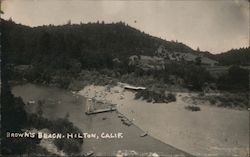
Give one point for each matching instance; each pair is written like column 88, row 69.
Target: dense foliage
column 236, row 78
column 151, row 96
column 63, row 126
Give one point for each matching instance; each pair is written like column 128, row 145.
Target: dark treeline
column 239, row 56
column 94, row 45
column 85, row 42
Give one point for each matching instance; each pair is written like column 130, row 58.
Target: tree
column 13, row 116
column 198, row 49
column 69, row 22
column 236, row 79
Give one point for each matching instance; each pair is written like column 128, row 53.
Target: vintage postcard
column 150, row 78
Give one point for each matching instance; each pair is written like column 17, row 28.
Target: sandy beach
column 212, row 131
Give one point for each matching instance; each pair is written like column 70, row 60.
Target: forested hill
column 93, row 45
column 235, row 57
column 57, row 55
column 80, row 41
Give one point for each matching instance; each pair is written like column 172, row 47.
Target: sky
column 212, row 25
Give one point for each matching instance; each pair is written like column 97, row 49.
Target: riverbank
column 61, row 103
column 213, row 131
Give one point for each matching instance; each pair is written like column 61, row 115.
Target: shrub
column 234, row 100
column 63, row 126
column 69, row 146
column 212, row 101
column 171, row 97
column 151, row 96
column 193, row 108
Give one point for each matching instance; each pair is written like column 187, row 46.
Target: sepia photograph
column 125, row 78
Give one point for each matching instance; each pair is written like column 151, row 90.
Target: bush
column 193, row 108
column 63, row 126
column 212, row 101
column 151, row 96
column 234, row 100
column 171, row 97
column 69, row 146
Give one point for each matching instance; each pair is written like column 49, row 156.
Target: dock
column 92, row 106
column 101, row 110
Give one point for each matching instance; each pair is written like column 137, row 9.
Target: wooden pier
column 90, row 109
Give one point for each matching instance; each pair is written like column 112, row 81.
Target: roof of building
column 134, row 88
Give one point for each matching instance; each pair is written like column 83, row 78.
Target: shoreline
column 64, row 102
column 173, row 124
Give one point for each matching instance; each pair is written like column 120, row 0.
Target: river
column 63, row 102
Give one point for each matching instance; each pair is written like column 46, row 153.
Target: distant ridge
column 239, row 56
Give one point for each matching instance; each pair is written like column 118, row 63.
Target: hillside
column 89, row 43
column 107, row 41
